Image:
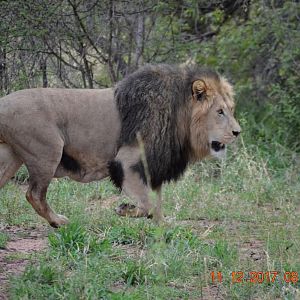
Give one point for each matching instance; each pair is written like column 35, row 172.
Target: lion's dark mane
column 148, row 101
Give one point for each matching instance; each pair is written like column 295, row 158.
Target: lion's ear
column 199, row 89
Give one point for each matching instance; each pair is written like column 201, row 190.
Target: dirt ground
column 22, row 243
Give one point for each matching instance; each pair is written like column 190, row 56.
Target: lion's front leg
column 125, row 176
column 158, row 216
column 134, row 187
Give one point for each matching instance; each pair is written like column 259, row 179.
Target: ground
column 242, row 217
column 16, row 254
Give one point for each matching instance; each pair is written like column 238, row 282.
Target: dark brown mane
column 149, row 102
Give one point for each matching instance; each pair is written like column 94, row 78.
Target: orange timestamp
column 257, row 277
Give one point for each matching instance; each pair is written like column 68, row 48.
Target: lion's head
column 213, row 125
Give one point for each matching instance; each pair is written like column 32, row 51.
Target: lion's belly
column 85, row 174
column 87, row 160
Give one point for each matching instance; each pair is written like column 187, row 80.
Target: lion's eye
column 220, row 112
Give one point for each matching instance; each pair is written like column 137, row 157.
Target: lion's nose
column 236, row 133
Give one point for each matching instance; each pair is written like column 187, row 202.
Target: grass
column 244, row 216
column 3, row 240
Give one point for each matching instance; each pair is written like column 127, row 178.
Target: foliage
column 261, row 57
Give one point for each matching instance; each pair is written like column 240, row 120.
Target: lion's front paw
column 158, row 217
column 58, row 221
column 130, row 210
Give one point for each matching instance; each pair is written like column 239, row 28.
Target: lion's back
column 77, row 113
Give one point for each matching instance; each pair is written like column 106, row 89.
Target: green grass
column 245, row 219
column 3, row 240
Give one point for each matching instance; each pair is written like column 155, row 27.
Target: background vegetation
column 244, row 216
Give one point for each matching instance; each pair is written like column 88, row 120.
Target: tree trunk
column 3, row 72
column 43, row 66
column 139, row 37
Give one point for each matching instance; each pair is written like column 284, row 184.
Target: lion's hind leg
column 40, row 176
column 9, row 163
column 36, row 196
column 42, row 160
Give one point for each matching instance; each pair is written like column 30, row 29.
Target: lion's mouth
column 217, row 146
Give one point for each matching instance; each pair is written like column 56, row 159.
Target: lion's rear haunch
column 155, row 102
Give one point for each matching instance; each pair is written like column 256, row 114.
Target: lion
column 141, row 134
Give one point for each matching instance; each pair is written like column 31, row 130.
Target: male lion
column 158, row 120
